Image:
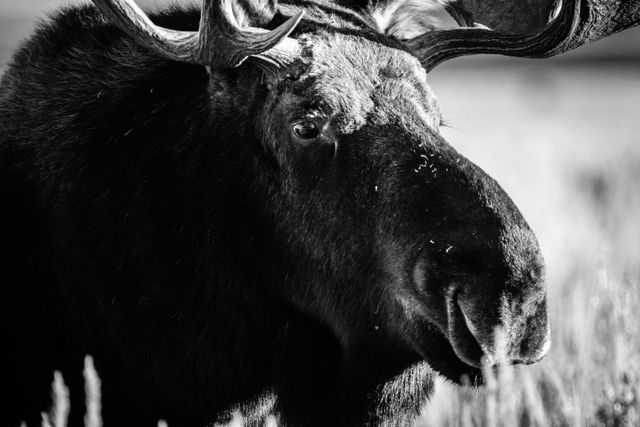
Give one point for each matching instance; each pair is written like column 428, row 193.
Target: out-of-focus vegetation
column 562, row 137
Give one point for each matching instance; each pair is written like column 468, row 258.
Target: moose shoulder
column 223, row 214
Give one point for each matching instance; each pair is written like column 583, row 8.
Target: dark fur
column 151, row 220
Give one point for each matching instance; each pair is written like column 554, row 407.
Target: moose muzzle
column 516, row 333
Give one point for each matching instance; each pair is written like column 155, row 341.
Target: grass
column 59, row 412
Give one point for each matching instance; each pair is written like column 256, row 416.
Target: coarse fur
column 168, row 222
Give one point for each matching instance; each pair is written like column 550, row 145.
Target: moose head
column 400, row 246
column 384, row 253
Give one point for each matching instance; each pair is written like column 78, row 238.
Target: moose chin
column 250, row 207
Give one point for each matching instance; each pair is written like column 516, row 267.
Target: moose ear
column 405, row 19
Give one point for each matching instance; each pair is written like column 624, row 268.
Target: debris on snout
column 432, row 242
column 375, row 188
column 446, row 251
column 376, row 327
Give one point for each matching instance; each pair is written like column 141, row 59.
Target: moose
column 250, row 207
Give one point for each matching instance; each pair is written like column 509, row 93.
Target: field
column 563, row 138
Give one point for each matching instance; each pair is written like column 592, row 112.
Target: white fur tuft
column 404, row 19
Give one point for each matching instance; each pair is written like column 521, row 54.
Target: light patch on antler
column 404, row 19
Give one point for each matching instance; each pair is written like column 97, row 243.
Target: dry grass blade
column 93, row 417
column 59, row 412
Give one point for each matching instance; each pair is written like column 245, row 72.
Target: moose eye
column 306, row 130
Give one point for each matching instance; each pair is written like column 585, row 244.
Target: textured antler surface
column 578, row 22
column 599, row 19
column 220, row 41
column 510, row 16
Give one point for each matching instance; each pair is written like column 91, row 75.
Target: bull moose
column 250, row 206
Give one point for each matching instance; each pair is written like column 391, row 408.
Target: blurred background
column 562, row 136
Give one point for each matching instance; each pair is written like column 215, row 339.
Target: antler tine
column 577, row 23
column 219, row 42
column 223, row 41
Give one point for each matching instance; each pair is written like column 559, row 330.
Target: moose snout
column 495, row 305
column 485, row 293
column 479, row 269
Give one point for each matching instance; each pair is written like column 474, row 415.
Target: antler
column 219, row 42
column 578, row 22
